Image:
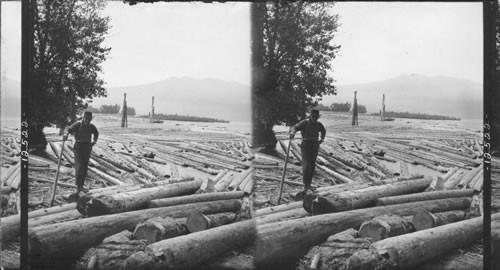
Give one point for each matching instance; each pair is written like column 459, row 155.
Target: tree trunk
column 199, row 222
column 215, row 196
column 156, row 229
column 134, row 200
column 430, row 195
column 423, row 220
column 282, row 241
column 361, row 198
column 68, row 240
column 385, row 226
column 194, row 248
column 409, row 250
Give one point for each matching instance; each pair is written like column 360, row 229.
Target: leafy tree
column 92, row 109
column 361, row 109
column 67, row 57
column 321, row 107
column 130, row 111
column 340, row 107
column 110, row 109
column 293, row 53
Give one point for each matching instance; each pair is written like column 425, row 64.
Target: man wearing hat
column 83, row 131
column 310, row 129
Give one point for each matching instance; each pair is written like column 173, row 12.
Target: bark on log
column 51, row 210
column 199, row 222
column 113, row 250
column 239, row 178
column 207, row 186
column 156, row 229
column 365, row 197
column 385, row 226
column 423, row 219
column 282, row 241
column 178, row 200
column 138, row 199
column 409, row 250
column 63, row 242
column 226, row 180
column 94, row 193
column 195, row 248
column 423, row 196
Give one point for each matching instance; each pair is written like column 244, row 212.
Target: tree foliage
column 110, row 109
column 361, row 108
column 68, row 54
column 296, row 60
column 340, row 107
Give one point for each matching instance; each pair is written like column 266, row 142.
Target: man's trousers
column 309, row 154
column 82, row 156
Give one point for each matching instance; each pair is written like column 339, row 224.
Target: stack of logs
column 10, row 174
column 382, row 211
column 120, row 221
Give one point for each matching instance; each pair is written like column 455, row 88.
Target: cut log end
column 385, row 226
column 198, row 222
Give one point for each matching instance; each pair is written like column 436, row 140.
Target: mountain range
column 231, row 100
column 416, row 94
column 185, row 96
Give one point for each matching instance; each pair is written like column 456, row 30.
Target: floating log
column 282, row 241
column 193, row 249
column 239, row 178
column 63, row 242
column 106, row 177
column 137, row 199
column 207, row 186
column 430, row 195
column 157, row 228
column 423, row 219
column 385, row 226
column 51, row 210
column 349, row 200
column 409, row 250
column 335, row 175
column 453, row 181
column 225, row 181
column 199, row 222
column 178, row 200
column 469, row 176
column 278, row 208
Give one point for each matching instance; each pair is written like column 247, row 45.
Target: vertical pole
column 355, row 110
column 382, row 117
column 124, row 110
column 152, row 116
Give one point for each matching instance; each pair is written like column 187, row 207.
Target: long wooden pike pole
column 284, row 170
column 57, row 175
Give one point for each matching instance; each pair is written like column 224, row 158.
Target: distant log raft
column 365, row 197
column 193, row 249
column 281, row 241
column 68, row 240
column 409, row 250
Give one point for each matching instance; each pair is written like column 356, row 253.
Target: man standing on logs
column 310, row 129
column 82, row 130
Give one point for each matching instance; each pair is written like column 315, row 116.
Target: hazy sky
column 379, row 40
column 382, row 40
